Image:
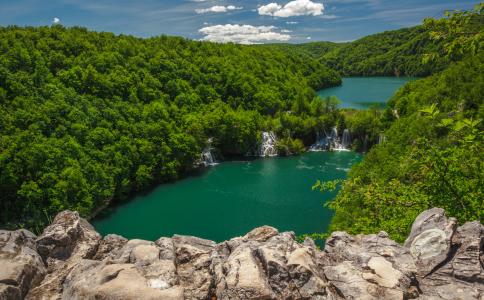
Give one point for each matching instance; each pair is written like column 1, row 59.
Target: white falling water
column 334, row 134
column 207, row 158
column 332, row 141
column 321, row 144
column 268, row 146
column 346, row 139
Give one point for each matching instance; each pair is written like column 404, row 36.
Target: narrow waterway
column 363, row 92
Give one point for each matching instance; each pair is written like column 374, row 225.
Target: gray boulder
column 70, row 261
column 369, row 266
column 62, row 245
column 430, row 240
column 21, row 267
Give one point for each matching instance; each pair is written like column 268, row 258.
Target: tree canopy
column 87, row 117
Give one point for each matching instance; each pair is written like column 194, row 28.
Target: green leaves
column 461, row 33
column 330, row 186
column 433, row 156
column 88, row 117
column 431, row 111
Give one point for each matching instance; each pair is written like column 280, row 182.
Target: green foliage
column 461, row 32
column 416, row 51
column 433, row 157
column 365, row 127
column 329, row 186
column 433, row 153
column 391, row 53
column 88, row 117
column 289, row 146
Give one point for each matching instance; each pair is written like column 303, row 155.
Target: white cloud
column 217, row 9
column 242, row 34
column 291, row 22
column 329, row 17
column 291, row 9
column 56, row 20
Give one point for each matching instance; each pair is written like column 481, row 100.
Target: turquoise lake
column 232, row 198
column 363, row 92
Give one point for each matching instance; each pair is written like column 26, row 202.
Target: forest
column 432, row 154
column 87, row 118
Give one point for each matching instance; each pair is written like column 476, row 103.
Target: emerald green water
column 232, row 198
column 363, row 92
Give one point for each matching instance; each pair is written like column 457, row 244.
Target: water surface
column 232, row 198
column 363, row 92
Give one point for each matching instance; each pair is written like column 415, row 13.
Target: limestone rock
column 461, row 276
column 466, row 263
column 21, row 267
column 369, row 266
column 430, row 239
column 98, row 280
column 193, row 257
column 109, row 246
column 438, row 261
column 62, row 245
column 261, row 234
column 69, row 235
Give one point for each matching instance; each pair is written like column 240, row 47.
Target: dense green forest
column 403, row 52
column 88, row 117
column 432, row 154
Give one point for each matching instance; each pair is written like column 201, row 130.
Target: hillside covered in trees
column 432, row 151
column 88, row 117
column 410, row 51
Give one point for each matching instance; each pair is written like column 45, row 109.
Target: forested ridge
column 431, row 153
column 88, row 117
column 402, row 52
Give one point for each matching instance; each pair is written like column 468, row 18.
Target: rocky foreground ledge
column 70, row 260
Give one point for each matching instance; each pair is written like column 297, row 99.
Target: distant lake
column 232, row 198
column 363, row 92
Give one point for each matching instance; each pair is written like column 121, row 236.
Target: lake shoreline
column 275, row 184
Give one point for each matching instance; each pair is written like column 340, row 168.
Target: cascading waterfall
column 321, row 143
column 207, row 158
column 346, row 139
column 332, row 141
column 334, row 134
column 268, row 146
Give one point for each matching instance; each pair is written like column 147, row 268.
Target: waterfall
column 334, row 134
column 346, row 139
column 268, row 146
column 321, row 144
column 207, row 158
column 332, row 141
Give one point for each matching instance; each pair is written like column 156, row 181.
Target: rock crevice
column 70, row 260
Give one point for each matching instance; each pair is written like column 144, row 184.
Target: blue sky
column 245, row 21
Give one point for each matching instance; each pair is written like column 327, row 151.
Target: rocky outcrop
column 21, row 267
column 70, row 260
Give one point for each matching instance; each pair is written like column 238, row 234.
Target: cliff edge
column 70, row 260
